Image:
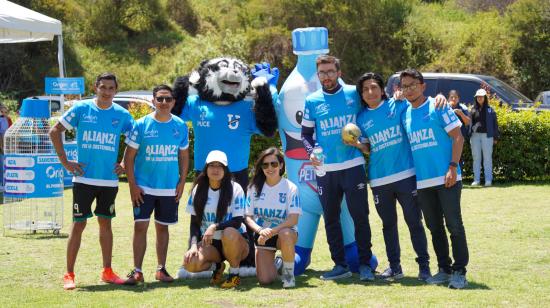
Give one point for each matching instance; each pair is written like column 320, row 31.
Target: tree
column 529, row 23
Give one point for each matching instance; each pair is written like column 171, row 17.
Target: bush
column 523, row 150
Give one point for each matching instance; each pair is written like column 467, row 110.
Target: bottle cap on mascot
column 218, row 156
column 309, row 41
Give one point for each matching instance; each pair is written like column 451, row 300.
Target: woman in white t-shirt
column 217, row 208
column 273, row 214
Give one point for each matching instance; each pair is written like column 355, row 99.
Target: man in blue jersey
column 157, row 147
column 99, row 124
column 391, row 173
column 436, row 143
column 326, row 112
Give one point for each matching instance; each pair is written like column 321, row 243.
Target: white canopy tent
column 20, row 25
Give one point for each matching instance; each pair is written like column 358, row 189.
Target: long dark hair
column 478, row 107
column 201, row 194
column 367, row 76
column 258, row 179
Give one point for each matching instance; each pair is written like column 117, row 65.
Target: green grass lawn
column 508, row 231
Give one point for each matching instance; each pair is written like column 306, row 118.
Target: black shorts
column 219, row 245
column 83, row 197
column 165, row 208
column 270, row 244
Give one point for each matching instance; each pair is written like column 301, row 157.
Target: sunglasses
column 167, row 99
column 274, row 164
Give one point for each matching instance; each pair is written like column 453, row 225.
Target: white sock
column 288, row 267
column 138, row 270
column 234, row 270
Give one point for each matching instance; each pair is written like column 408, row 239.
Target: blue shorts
column 165, row 207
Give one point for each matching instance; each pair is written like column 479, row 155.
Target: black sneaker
column 424, row 272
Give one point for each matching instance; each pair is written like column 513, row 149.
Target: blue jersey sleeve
column 308, row 119
column 135, row 137
column 70, row 118
column 447, row 118
column 185, row 140
column 128, row 125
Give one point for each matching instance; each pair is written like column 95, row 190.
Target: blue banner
column 55, row 85
column 72, row 154
column 33, row 176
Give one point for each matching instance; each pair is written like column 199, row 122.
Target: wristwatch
column 453, row 164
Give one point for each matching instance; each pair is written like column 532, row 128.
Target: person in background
column 484, row 135
column 463, row 115
column 5, row 113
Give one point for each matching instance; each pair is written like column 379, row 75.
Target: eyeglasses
column 167, row 99
column 274, row 164
column 329, row 74
column 410, row 87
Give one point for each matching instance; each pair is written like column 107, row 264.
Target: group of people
column 415, row 144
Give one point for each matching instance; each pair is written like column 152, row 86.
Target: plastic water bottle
column 318, row 153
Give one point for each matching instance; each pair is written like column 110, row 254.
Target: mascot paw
column 264, row 70
column 259, row 82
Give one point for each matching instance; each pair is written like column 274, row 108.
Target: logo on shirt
column 360, row 186
column 426, row 117
column 282, row 197
column 349, row 102
column 368, row 124
column 322, row 109
column 203, row 122
column 115, row 122
column 151, row 133
column 175, row 132
column 69, row 117
column 89, row 118
column 391, row 114
column 233, row 121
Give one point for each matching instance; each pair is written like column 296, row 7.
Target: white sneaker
column 289, row 282
column 488, row 184
column 474, row 183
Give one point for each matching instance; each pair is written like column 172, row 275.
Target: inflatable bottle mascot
column 308, row 43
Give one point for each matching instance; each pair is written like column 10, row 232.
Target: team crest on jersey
column 282, row 197
column 151, row 133
column 349, row 102
column 391, row 114
column 322, row 109
column 233, row 121
column 115, row 122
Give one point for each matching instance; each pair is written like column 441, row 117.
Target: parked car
column 467, row 85
column 544, row 99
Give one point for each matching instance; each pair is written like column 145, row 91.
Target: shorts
column 165, row 208
column 270, row 244
column 83, row 197
column 219, row 245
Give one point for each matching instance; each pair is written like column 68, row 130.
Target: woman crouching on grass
column 272, row 211
column 217, row 206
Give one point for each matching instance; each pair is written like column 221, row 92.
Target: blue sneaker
column 458, row 280
column 337, row 272
column 424, row 272
column 365, row 273
column 441, row 277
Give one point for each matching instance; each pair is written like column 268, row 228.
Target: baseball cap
column 481, row 92
column 218, row 156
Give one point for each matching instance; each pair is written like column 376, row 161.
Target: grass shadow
column 36, row 236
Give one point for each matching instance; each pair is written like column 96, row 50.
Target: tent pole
column 61, row 61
